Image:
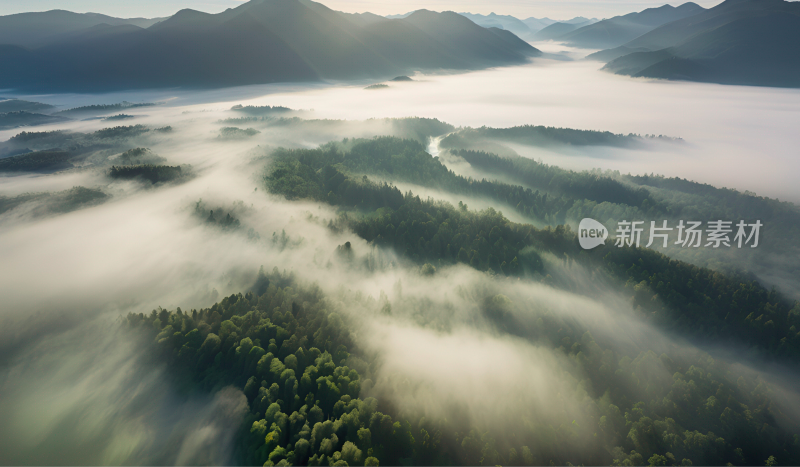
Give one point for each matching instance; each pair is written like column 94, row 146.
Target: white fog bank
column 741, row 137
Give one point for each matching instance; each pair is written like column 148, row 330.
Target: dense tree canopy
column 309, row 391
column 147, row 172
column 692, row 301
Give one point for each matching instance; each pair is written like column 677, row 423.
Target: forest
column 548, row 195
column 39, row 161
column 147, row 172
column 59, row 202
column 311, row 388
column 610, row 196
column 114, row 149
column 691, row 301
column 312, row 401
column 698, row 387
column 537, row 135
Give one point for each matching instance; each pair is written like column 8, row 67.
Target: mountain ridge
column 743, row 42
column 35, row 29
column 619, row 30
column 258, row 42
column 558, row 29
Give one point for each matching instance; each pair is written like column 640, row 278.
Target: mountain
column 537, row 24
column 748, row 42
column 260, row 41
column 22, row 118
column 580, row 20
column 17, row 105
column 557, row 30
column 730, row 10
column 618, row 30
column 525, row 29
column 37, row 29
column 508, row 23
column 610, row 54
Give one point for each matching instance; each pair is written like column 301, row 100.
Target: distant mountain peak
column 190, row 14
column 260, row 41
column 749, row 42
column 423, row 14
column 614, row 32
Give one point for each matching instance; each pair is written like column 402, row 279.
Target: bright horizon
column 521, row 9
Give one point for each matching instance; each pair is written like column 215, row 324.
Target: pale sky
column 554, row 9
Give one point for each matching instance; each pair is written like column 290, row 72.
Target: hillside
column 40, row 28
column 261, row 41
column 22, row 118
column 726, row 12
column 17, row 105
column 522, row 28
column 743, row 42
column 618, row 30
column 537, row 24
column 556, row 30
column 509, row 23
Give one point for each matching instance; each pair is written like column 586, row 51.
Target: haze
column 523, row 9
column 453, row 341
column 570, row 94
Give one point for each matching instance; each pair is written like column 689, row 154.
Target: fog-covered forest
column 362, row 254
column 335, row 305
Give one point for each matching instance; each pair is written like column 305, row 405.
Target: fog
column 73, row 382
column 735, row 136
column 152, row 8
column 86, row 396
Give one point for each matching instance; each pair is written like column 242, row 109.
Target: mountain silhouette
column 748, row 42
column 618, row 30
column 260, row 41
column 556, row 30
column 41, row 28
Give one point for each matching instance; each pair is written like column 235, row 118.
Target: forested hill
column 610, row 197
column 691, row 301
column 311, row 396
column 296, row 352
column 261, row 41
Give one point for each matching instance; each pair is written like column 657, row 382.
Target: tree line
column 703, row 304
column 311, row 402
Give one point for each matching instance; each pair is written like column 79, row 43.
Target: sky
column 554, row 9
